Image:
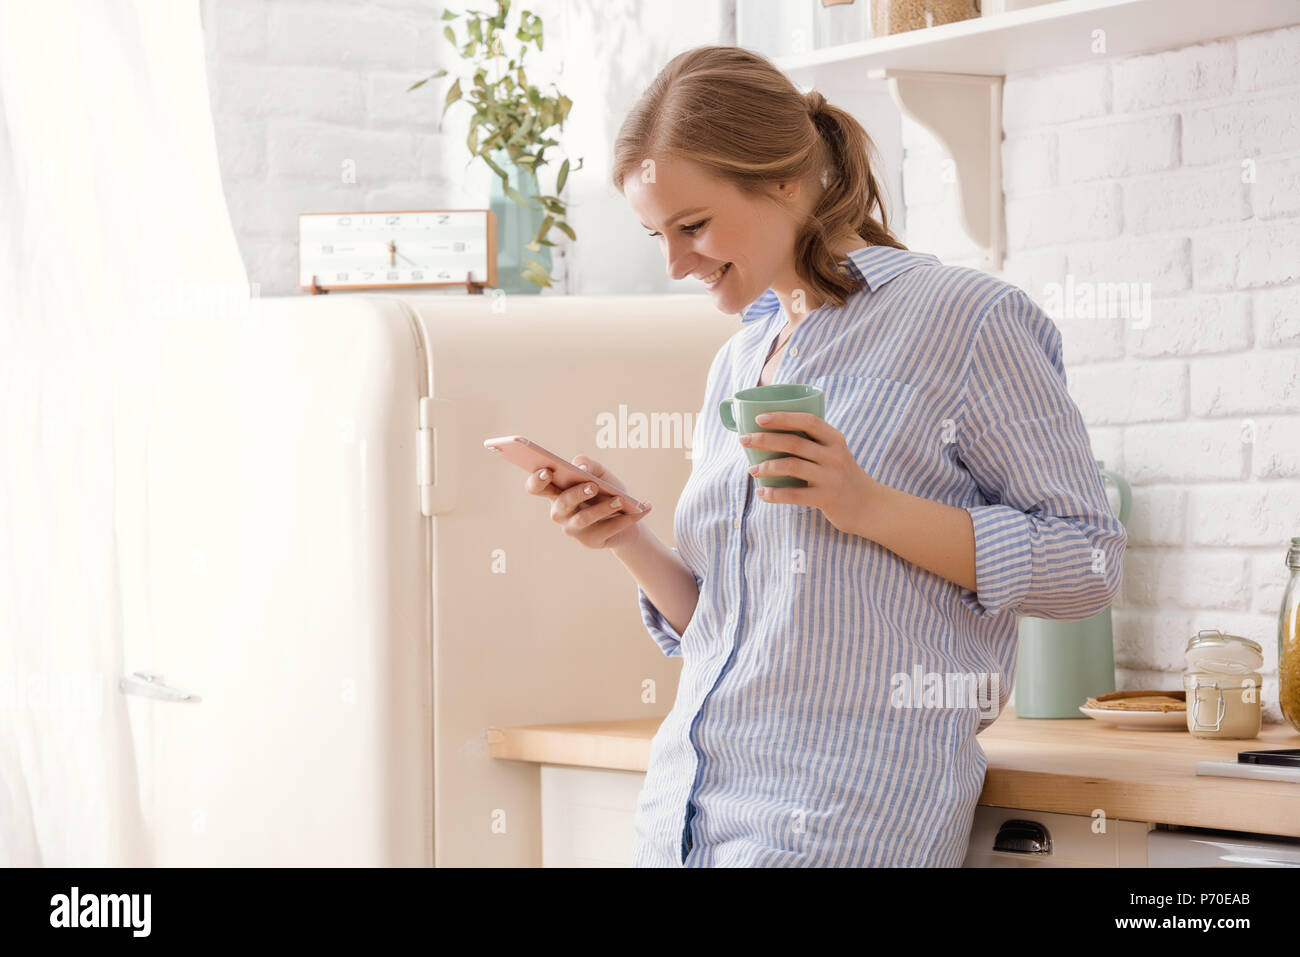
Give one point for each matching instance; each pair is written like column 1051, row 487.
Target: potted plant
column 508, row 132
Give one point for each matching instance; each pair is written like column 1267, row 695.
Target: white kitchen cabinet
column 589, row 820
column 1069, row 840
column 588, row 816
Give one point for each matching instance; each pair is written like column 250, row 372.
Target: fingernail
column 615, row 502
column 583, row 467
column 744, row 439
column 587, row 490
column 542, row 475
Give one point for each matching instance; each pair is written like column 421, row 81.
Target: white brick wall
column 298, row 87
column 1182, row 170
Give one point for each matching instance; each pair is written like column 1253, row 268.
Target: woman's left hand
column 837, row 485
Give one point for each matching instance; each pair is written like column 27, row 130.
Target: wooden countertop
column 1072, row 766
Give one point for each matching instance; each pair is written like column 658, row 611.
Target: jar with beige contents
column 1288, row 641
column 1223, row 682
column 899, row 16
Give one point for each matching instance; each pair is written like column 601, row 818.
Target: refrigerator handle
column 150, row 686
column 436, row 444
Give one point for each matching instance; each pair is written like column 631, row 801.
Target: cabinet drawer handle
column 1023, row 837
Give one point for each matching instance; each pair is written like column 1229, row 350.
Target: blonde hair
column 732, row 112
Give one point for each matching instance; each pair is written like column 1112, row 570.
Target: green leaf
column 518, row 197
column 547, row 223
column 566, row 229
column 417, row 84
column 476, row 29
column 564, row 175
column 453, row 94
column 448, row 15
column 537, row 276
column 493, row 166
column 450, row 34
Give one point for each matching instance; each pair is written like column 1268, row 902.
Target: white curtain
column 113, row 233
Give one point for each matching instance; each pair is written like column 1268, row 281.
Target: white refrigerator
column 348, row 592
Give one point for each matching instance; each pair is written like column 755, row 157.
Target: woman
column 951, row 488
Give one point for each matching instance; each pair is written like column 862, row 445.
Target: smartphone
column 1285, row 756
column 531, row 457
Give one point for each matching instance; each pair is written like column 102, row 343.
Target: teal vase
column 516, row 227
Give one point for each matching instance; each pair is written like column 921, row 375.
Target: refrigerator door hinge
column 435, row 456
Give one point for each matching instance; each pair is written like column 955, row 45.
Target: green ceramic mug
column 739, row 411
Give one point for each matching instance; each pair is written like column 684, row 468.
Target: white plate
column 1140, row 720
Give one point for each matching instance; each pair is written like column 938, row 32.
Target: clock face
column 388, row 248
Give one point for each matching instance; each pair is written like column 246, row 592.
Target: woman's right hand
column 591, row 518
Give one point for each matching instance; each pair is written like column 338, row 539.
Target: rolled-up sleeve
column 664, row 634
column 1047, row 544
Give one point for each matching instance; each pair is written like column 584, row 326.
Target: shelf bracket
column 964, row 112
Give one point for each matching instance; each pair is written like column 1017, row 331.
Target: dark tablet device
column 1285, row 756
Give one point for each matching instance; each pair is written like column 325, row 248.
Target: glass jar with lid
column 1288, row 641
column 837, row 22
column 899, row 16
column 1222, row 682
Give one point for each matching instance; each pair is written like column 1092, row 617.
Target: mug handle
column 1125, row 494
column 724, row 410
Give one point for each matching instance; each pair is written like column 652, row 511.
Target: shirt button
column 730, row 615
column 794, row 350
column 735, row 523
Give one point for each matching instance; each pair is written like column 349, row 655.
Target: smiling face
column 703, row 223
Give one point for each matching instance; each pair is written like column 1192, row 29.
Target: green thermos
column 1063, row 663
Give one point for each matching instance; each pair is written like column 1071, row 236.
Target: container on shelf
column 775, row 29
column 778, row 28
column 1288, row 641
column 899, row 16
column 836, row 22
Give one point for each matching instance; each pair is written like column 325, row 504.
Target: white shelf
column 1051, row 35
column 949, row 78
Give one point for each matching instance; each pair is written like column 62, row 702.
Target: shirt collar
column 874, row 265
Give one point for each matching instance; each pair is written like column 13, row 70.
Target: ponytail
column 851, row 203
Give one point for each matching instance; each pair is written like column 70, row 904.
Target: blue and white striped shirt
column 792, row 741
